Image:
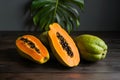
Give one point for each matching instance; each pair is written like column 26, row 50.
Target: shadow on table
column 12, row 55
column 16, row 63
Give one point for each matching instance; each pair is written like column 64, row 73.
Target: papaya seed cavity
column 31, row 44
column 64, row 44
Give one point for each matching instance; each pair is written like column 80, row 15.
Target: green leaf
column 79, row 3
column 64, row 12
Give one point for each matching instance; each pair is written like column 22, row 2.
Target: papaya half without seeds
column 63, row 46
column 92, row 48
column 31, row 47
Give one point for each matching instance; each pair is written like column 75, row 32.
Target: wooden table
column 14, row 67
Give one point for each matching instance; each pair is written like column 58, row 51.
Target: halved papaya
column 30, row 47
column 63, row 46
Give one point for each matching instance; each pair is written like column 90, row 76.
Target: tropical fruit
column 63, row 46
column 31, row 47
column 44, row 38
column 92, row 48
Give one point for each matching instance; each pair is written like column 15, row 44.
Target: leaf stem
column 57, row 1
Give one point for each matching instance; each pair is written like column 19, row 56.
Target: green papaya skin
column 44, row 38
column 91, row 47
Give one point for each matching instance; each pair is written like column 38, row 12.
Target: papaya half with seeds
column 31, row 47
column 63, row 46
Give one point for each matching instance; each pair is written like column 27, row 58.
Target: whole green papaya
column 92, row 48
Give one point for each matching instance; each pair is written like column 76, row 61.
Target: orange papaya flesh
column 32, row 47
column 63, row 46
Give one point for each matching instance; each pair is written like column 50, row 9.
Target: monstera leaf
column 64, row 12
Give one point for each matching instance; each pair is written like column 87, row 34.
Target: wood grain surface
column 14, row 67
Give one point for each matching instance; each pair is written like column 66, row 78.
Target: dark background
column 98, row 15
